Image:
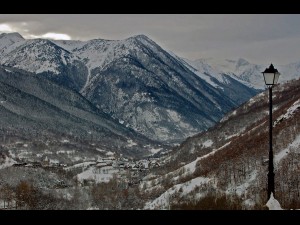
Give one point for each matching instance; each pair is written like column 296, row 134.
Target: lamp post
column 271, row 76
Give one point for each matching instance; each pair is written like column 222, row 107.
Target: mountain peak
column 13, row 35
column 241, row 62
column 140, row 36
column 9, row 39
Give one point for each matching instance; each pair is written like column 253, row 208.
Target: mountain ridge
column 134, row 80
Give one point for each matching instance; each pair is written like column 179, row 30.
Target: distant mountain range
column 243, row 70
column 134, row 84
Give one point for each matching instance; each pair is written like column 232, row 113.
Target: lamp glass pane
column 276, row 78
column 269, row 78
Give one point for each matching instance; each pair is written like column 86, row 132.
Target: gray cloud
column 259, row 38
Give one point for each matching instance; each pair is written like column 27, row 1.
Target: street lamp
column 271, row 76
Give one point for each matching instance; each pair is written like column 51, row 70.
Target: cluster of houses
column 102, row 170
column 27, row 162
column 106, row 163
column 125, row 164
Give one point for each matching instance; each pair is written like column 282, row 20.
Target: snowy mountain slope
column 151, row 91
column 133, row 80
column 242, row 70
column 232, row 86
column 45, row 58
column 210, row 74
column 228, row 161
column 69, row 45
column 137, row 82
column 100, row 55
column 289, row 72
column 10, row 41
column 42, row 106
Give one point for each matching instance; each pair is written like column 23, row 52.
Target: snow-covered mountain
column 10, row 41
column 248, row 73
column 134, row 80
column 289, row 72
column 226, row 167
column 45, row 58
column 230, row 84
column 240, row 68
column 151, row 91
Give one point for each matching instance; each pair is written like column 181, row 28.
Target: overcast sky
column 259, row 38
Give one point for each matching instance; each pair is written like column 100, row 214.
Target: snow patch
column 174, row 115
column 251, row 101
column 131, row 143
column 109, row 153
column 155, row 150
column 53, row 161
column 100, row 150
column 289, row 113
column 231, row 136
column 241, row 189
column 93, row 174
column 207, row 143
column 191, row 167
column 273, row 204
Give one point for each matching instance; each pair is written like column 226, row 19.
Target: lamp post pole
column 271, row 76
column 271, row 175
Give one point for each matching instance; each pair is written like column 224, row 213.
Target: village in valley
column 60, row 171
column 129, row 171
column 95, row 170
